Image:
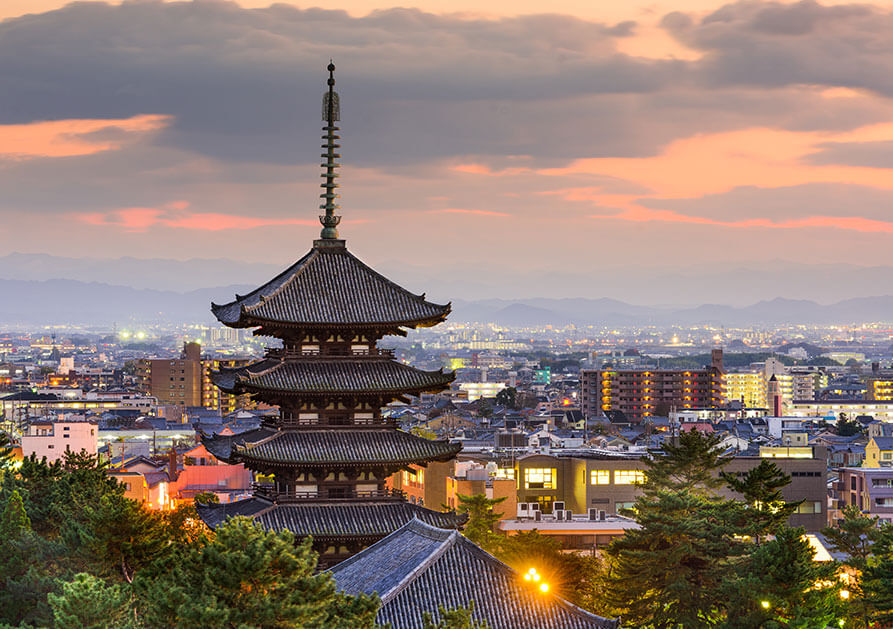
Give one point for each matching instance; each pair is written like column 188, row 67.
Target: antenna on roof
column 331, row 113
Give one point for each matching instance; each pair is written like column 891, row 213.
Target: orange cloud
column 174, row 215
column 73, row 137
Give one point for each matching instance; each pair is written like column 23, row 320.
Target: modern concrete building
column 52, row 439
column 871, row 489
column 640, row 393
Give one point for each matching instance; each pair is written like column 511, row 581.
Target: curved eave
column 242, row 454
column 233, row 383
column 243, row 319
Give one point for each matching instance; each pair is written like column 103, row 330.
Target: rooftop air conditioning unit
column 568, row 515
column 559, row 505
column 537, row 516
column 559, row 514
column 593, row 514
column 534, row 506
column 602, row 515
column 523, row 511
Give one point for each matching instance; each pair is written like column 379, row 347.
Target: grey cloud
column 774, row 44
column 785, row 203
column 868, row 154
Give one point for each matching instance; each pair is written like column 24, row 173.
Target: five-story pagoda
column 329, row 451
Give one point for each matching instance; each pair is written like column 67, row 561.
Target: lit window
column 539, row 478
column 628, row 477
column 600, row 477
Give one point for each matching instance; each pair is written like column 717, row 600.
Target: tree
column 206, row 498
column 761, row 487
column 566, row 573
column 690, row 464
column 482, row 520
column 6, row 448
column 88, row 602
column 246, row 577
column 781, row 585
column 848, row 427
column 507, row 397
column 877, row 578
column 670, row 572
column 458, row 618
column 13, row 519
column 852, row 536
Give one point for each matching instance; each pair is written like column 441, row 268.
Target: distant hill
column 24, row 302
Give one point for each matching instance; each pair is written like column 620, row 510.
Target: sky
column 506, row 146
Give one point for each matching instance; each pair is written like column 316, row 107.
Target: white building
column 52, row 439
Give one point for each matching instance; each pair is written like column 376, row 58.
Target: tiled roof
column 418, row 568
column 334, row 375
column 329, row 286
column 329, row 519
column 327, row 446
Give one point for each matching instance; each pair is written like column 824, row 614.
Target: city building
column 870, row 489
column 879, row 452
column 640, row 393
column 606, row 481
column 330, row 452
column 174, row 382
column 53, row 438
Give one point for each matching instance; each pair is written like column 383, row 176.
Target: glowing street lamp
column 765, row 604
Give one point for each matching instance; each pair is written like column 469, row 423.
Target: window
column 628, row 477
column 600, row 477
column 539, row 478
column 810, row 507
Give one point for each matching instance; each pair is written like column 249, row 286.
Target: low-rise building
column 53, row 438
column 870, row 489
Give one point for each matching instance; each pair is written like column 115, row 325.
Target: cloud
column 466, row 211
column 70, row 138
column 774, row 44
column 176, row 215
column 878, row 154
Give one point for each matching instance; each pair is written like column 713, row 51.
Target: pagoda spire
column 331, row 113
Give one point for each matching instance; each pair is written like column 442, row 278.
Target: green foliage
column 14, row 522
column 849, row 427
column 206, row 498
column 507, row 397
column 482, row 520
column 6, row 447
column 852, row 536
column 877, row 578
column 247, row 577
column 459, row 618
column 88, row 602
column 780, row 585
column 671, row 571
column 761, row 488
column 689, row 465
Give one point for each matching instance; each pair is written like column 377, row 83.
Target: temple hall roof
column 335, row 376
column 330, row 287
column 326, row 519
column 419, row 567
column 321, row 447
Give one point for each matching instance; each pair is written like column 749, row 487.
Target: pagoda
column 329, row 452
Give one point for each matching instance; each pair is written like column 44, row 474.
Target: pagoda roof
column 330, row 287
column 321, row 376
column 419, row 568
column 322, row 447
column 328, row 519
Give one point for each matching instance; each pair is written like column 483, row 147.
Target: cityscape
column 590, row 326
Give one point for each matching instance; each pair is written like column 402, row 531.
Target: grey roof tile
column 330, row 286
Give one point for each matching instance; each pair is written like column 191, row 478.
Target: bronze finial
column 331, row 113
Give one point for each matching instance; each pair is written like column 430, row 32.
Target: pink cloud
column 465, row 211
column 74, row 137
column 176, row 215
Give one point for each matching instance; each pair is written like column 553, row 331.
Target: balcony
column 327, row 352
column 332, row 493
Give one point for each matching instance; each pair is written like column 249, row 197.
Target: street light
column 765, row 604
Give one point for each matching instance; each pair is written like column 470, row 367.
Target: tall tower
column 330, row 451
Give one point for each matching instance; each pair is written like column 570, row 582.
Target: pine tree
column 482, row 520
column 13, row 519
column 459, row 618
column 761, row 488
column 246, row 577
column 852, row 536
column 781, row 585
column 88, row 602
column 670, row 572
column 877, row 578
column 6, row 447
column 691, row 464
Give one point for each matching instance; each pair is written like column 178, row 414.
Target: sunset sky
column 600, row 135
